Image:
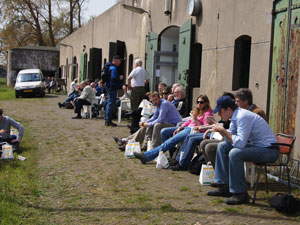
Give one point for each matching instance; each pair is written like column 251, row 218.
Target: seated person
column 165, row 93
column 248, row 139
column 87, row 97
column 126, row 95
column 161, row 86
column 165, row 115
column 100, row 88
column 51, row 84
column 5, row 125
column 179, row 102
column 171, row 98
column 73, row 86
column 199, row 115
column 71, row 97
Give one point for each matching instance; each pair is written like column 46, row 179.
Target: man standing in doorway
column 112, row 86
column 136, row 81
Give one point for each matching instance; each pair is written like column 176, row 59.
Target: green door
column 81, row 73
column 285, row 66
column 152, row 42
column 184, row 53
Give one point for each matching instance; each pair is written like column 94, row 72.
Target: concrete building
column 32, row 57
column 209, row 46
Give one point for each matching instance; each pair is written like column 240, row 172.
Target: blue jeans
column 229, row 167
column 166, row 133
column 171, row 142
column 111, row 101
column 70, row 98
column 188, row 148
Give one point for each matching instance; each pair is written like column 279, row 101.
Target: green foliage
column 6, row 93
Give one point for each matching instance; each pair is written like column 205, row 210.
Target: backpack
column 105, row 73
column 285, row 203
column 196, row 164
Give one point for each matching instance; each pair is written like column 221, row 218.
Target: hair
column 167, row 89
column 229, row 94
column 163, row 84
column 207, row 107
column 155, row 94
column 75, row 80
column 139, row 62
column 244, row 94
column 116, row 57
column 126, row 85
column 1, row 112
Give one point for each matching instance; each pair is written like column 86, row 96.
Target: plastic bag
column 148, row 108
column 162, row 161
column 7, row 152
column 132, row 147
column 207, row 174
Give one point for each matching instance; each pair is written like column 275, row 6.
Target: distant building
column 32, row 57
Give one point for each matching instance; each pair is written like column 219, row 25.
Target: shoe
column 116, row 140
column 144, row 148
column 213, row 184
column 238, row 199
column 107, row 124
column 77, row 117
column 60, row 105
column 173, row 162
column 141, row 157
column 119, row 141
column 222, row 191
column 122, row 148
column 177, row 167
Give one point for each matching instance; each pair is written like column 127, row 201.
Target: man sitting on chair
column 248, row 139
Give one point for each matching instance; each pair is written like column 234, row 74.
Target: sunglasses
column 165, row 93
column 200, row 102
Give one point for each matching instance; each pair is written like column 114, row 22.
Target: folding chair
column 285, row 144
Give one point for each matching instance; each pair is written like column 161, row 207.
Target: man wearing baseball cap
column 249, row 138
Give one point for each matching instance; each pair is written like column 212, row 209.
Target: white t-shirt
column 139, row 75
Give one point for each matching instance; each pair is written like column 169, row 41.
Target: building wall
column 221, row 23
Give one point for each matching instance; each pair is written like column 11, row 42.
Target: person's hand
column 218, row 128
column 141, row 124
column 194, row 116
column 177, row 130
column 206, row 132
column 121, row 77
column 146, row 124
column 210, row 120
column 15, row 141
column 2, row 131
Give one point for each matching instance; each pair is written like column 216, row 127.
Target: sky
column 96, row 7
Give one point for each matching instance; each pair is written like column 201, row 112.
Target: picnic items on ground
column 162, row 161
column 207, row 174
column 132, row 147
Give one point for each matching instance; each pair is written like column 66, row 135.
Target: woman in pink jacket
column 198, row 118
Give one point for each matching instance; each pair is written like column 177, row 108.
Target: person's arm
column 19, row 127
column 161, row 117
column 129, row 82
column 154, row 117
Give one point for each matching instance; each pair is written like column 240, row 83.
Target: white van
column 30, row 81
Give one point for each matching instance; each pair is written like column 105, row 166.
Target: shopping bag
column 7, row 152
column 132, row 147
column 14, row 131
column 167, row 155
column 207, row 174
column 148, row 109
column 162, row 161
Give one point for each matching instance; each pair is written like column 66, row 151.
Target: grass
column 19, row 189
column 7, row 93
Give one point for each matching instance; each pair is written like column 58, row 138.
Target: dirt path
column 85, row 179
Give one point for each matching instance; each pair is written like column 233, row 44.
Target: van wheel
column 17, row 94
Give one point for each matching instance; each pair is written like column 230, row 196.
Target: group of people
column 247, row 137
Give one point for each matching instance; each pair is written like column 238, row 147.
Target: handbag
column 7, row 151
column 132, row 147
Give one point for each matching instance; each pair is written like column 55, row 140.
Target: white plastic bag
column 207, row 174
column 132, row 147
column 162, row 161
column 7, row 152
column 148, row 108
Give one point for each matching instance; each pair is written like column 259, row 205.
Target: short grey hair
column 139, row 62
column 180, row 89
column 244, row 94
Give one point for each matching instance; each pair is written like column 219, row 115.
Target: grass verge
column 19, row 192
column 6, row 93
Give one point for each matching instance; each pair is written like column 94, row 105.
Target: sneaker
column 110, row 123
column 172, row 162
column 116, row 140
column 122, row 148
column 140, row 156
column 77, row 117
column 238, row 199
column 222, row 191
column 60, row 105
column 177, row 167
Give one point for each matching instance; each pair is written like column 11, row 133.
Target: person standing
column 136, row 81
column 112, row 86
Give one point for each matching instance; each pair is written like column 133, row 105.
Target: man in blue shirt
column 249, row 138
column 165, row 115
column 112, row 86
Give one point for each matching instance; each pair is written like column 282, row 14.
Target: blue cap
column 223, row 102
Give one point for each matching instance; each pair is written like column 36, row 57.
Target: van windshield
column 27, row 77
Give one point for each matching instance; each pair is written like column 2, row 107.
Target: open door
column 83, row 66
column 185, row 37
column 152, row 43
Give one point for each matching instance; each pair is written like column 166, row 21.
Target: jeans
column 166, row 133
column 70, row 98
column 171, row 142
column 188, row 148
column 111, row 101
column 229, row 167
